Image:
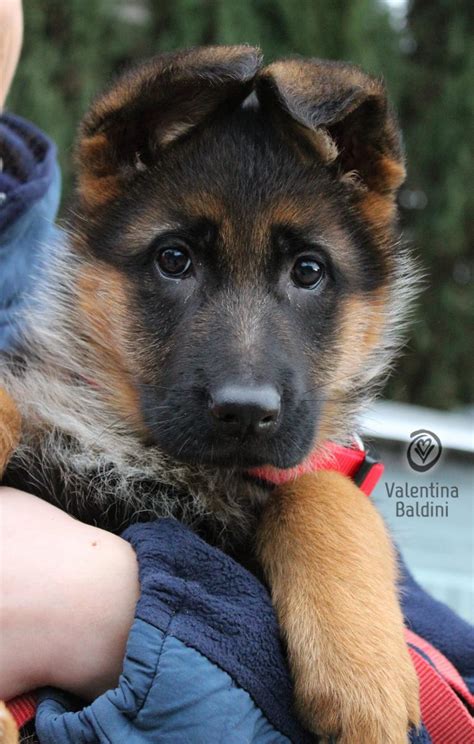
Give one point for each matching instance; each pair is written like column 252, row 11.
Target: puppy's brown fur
column 10, row 425
column 8, row 729
column 324, row 548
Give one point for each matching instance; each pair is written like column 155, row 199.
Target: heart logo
column 424, row 450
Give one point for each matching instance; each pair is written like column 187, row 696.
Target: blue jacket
column 204, row 660
column 30, row 187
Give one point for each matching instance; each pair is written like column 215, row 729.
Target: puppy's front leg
column 8, row 729
column 9, row 428
column 332, row 571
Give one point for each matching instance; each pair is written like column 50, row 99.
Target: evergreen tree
column 437, row 111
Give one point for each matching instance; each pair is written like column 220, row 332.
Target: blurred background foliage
column 425, row 52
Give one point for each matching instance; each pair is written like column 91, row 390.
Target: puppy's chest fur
column 75, row 454
column 86, row 497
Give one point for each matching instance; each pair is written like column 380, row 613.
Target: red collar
column 356, row 462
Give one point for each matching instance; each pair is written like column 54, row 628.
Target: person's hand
column 67, row 599
column 11, row 25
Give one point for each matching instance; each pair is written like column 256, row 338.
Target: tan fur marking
column 10, row 428
column 379, row 212
column 362, row 327
column 103, row 300
column 362, row 324
column 332, row 571
column 97, row 192
column 8, row 729
column 286, row 211
column 98, row 182
column 393, row 172
column 203, row 204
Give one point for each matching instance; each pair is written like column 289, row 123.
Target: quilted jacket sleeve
column 30, row 187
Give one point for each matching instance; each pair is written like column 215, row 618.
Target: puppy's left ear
column 340, row 115
column 152, row 106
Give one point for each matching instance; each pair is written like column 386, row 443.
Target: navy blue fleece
column 218, row 608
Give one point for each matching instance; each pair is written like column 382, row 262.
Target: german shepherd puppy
column 231, row 289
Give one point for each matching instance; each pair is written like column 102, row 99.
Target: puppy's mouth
column 193, row 446
column 243, row 457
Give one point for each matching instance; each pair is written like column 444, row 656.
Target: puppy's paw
column 8, row 729
column 376, row 705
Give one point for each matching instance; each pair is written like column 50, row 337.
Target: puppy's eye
column 307, row 272
column 174, row 262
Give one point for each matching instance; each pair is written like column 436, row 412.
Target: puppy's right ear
column 152, row 106
column 342, row 114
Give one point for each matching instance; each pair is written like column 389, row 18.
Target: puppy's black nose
column 242, row 409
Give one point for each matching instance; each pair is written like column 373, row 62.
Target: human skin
column 11, row 23
column 67, row 598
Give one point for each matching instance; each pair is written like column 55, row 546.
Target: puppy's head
column 238, row 236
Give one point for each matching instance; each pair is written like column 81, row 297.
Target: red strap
column 443, row 665
column 446, row 717
column 22, row 708
column 335, row 457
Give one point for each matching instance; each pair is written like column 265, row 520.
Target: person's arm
column 11, row 23
column 67, row 599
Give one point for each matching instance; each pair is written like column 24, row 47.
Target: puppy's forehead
column 244, row 178
column 244, row 163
